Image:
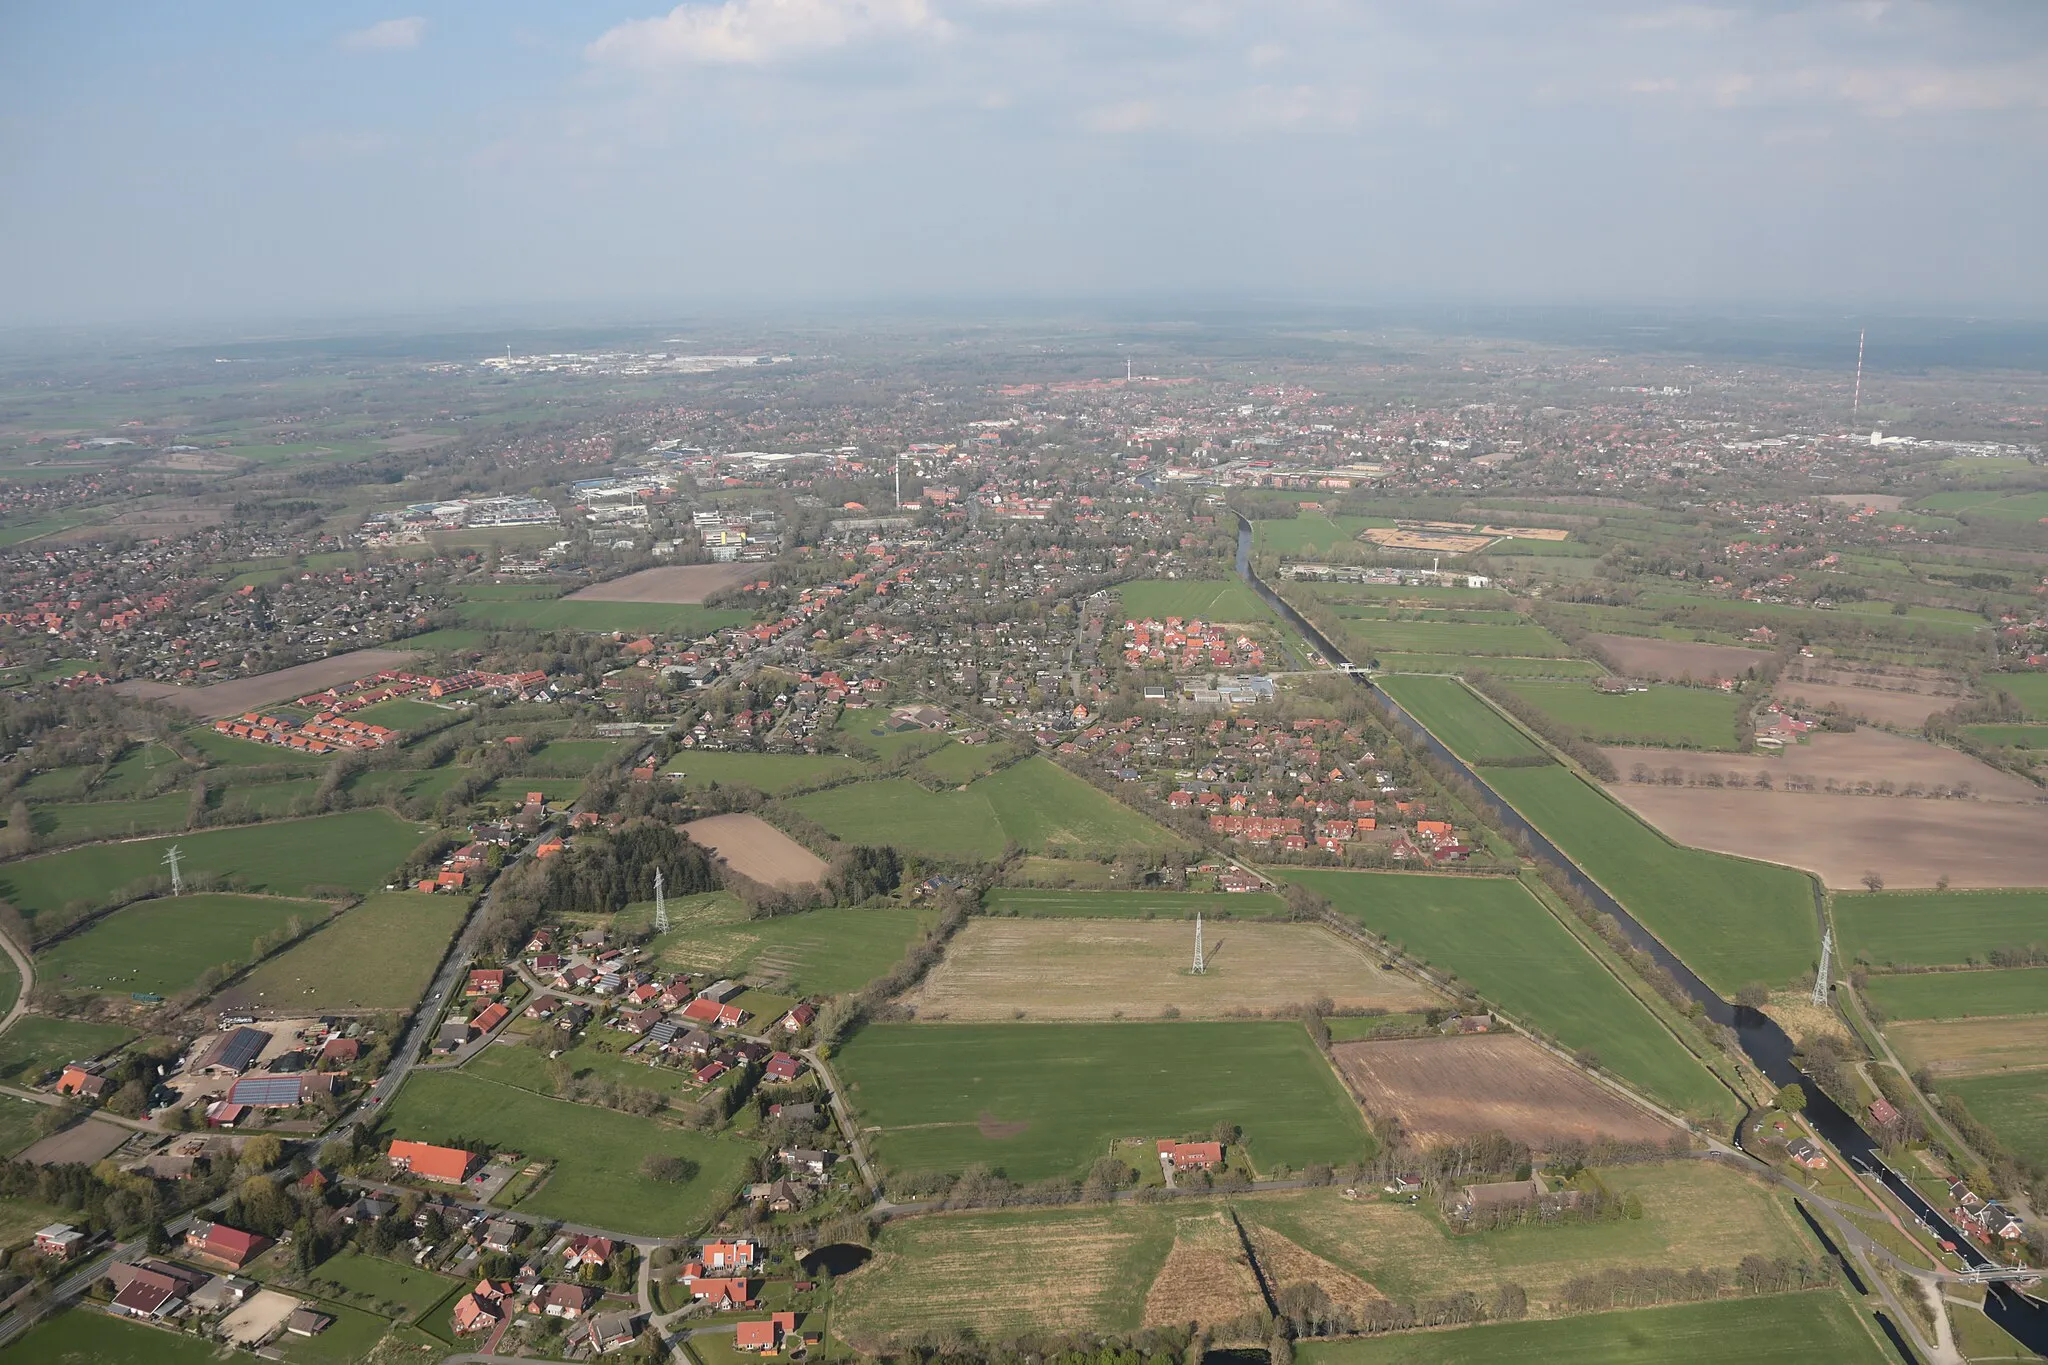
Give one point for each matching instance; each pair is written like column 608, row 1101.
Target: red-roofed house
column 583, row 1250
column 729, row 1255
column 449, row 1165
column 1191, row 1156
column 783, row 1067
column 721, row 1293
column 485, row 981
column 765, row 1337
column 219, row 1244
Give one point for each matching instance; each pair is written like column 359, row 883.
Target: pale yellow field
column 1099, row 969
column 1971, row 1047
column 1206, row 1278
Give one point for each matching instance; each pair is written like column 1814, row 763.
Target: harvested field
column 1647, row 658
column 1206, row 1278
column 1910, row 843
column 1100, row 969
column 754, row 848
column 1972, row 1047
column 1447, row 1089
column 675, row 583
column 243, row 694
column 1286, row 1264
column 1895, row 696
column 82, row 1143
column 1865, row 758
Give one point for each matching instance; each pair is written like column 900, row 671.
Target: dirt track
column 677, row 584
column 1447, row 1089
column 243, row 694
column 754, row 848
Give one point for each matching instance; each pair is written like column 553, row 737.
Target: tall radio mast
column 1856, row 400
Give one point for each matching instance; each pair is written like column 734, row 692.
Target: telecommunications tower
column 1201, row 967
column 171, row 857
column 1856, row 400
column 660, row 904
column 1827, row 962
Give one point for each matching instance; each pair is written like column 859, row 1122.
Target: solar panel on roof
column 266, row 1090
column 242, row 1046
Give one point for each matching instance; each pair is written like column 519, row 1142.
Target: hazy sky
column 211, row 160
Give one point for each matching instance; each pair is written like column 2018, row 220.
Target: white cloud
column 1132, row 116
column 760, row 32
column 388, row 35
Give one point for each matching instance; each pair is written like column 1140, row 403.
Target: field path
column 28, row 979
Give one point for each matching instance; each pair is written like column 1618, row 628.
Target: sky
column 168, row 160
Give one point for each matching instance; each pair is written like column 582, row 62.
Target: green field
column 412, row 1289
column 378, row 956
column 1311, row 533
column 571, row 757
column 962, row 763
column 356, row 849
column 1038, row 1100
column 1035, row 803
column 1676, row 717
column 126, row 777
column 2030, row 690
column 84, row 1336
column 425, row 784
column 402, row 713
column 1468, row 726
column 818, row 952
column 37, row 1044
column 349, row 1341
column 1211, row 599
column 2008, row 736
column 1960, row 995
column 771, row 773
column 1494, row 934
column 1042, row 904
column 654, row 618
column 1448, row 637
column 1732, row 921
column 2013, row 1105
column 228, row 751
column 1501, row 666
column 18, row 1118
column 1797, row 1329
column 75, row 821
column 597, row 1152
column 162, row 946
column 1935, row 928
column 514, row 789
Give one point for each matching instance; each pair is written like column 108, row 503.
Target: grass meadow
column 378, row 956
column 2030, row 690
column 410, row 1288
column 1452, row 712
column 1211, row 599
column 1676, row 717
column 85, row 1336
column 163, row 946
column 662, row 618
column 1501, row 666
column 597, row 1152
column 818, row 952
column 1039, row 1100
column 1454, row 637
column 1032, row 901
column 1732, row 921
column 73, row 821
column 1493, row 933
column 1794, row 1329
column 402, row 713
column 1936, row 928
column 770, row 773
column 356, row 849
column 1035, row 803
column 2013, row 1105
column 38, row 1043
column 1960, row 995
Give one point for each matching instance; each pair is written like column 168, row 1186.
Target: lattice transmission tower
column 660, row 904
column 171, row 857
column 1827, row 963
column 1200, row 966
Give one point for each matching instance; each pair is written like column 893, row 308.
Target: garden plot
column 1103, row 969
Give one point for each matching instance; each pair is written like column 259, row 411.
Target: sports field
column 38, row 1043
column 597, row 1152
column 1211, row 599
column 771, row 773
column 1468, row 726
column 1038, row 1100
column 1028, row 900
column 1960, row 995
column 1034, row 803
column 162, row 946
column 2013, row 1105
column 1796, row 1329
column 1932, row 928
column 1731, row 921
column 356, row 849
column 819, row 952
column 1125, row 968
column 378, row 956
column 1493, row 933
column 1676, row 717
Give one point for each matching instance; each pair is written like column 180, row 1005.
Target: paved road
column 844, row 1115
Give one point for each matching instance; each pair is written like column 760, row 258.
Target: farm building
column 1190, row 1156
column 305, row 1322
column 78, row 1080
column 1476, row 1201
column 60, row 1240
column 231, row 1053
column 286, row 1091
column 218, row 1244
column 448, row 1165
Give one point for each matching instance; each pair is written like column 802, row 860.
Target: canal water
column 1766, row 1044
